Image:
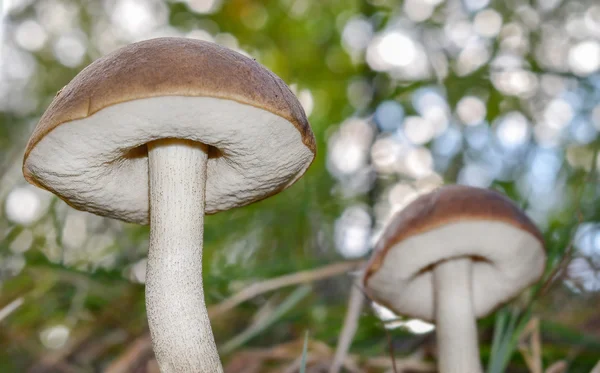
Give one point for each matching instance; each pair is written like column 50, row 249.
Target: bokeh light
column 30, row 35
column 392, row 50
column 70, row 49
column 55, row 337
column 513, row 130
column 353, row 231
column 386, row 154
column 26, row 204
column 357, row 34
column 487, row 23
column 471, row 110
column 584, row 57
column 389, row 115
column 348, row 148
column 418, row 130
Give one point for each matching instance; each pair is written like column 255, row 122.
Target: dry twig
column 131, row 357
column 355, row 305
column 266, row 286
column 530, row 345
column 558, row 367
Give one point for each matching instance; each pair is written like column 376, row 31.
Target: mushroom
column 452, row 256
column 162, row 132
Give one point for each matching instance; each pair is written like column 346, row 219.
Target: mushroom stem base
column 456, row 325
column 181, row 333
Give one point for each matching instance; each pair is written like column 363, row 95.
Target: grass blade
column 304, row 353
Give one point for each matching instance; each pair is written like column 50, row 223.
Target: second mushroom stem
column 179, row 325
column 456, row 325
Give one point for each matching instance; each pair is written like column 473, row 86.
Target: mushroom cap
column 89, row 146
column 453, row 222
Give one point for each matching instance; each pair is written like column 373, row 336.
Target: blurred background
column 403, row 96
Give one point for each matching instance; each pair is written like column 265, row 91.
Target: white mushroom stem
column 458, row 350
column 182, row 337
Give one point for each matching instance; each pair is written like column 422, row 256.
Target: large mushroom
column 452, row 256
column 162, row 132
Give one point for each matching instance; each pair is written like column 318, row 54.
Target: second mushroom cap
column 506, row 249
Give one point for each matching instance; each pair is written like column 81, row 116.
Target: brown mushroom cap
column 455, row 221
column 89, row 146
column 171, row 67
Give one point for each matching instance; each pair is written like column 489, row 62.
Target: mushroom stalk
column 179, row 325
column 456, row 325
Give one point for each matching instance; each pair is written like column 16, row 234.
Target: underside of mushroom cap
column 506, row 249
column 99, row 164
column 89, row 146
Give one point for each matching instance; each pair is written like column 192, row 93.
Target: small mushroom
column 452, row 256
column 162, row 132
